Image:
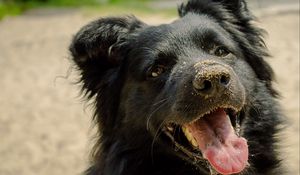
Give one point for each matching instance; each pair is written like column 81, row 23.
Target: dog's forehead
column 187, row 31
column 193, row 21
column 184, row 37
column 183, row 27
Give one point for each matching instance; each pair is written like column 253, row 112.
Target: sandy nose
column 211, row 79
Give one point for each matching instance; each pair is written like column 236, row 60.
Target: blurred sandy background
column 45, row 128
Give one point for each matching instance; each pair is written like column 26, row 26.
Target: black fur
column 116, row 56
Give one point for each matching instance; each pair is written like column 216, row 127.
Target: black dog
column 193, row 97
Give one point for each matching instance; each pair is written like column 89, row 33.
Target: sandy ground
column 44, row 129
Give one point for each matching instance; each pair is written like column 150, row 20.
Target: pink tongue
column 219, row 144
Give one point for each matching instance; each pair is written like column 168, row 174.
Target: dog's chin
column 212, row 139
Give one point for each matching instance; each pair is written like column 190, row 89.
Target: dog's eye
column 156, row 71
column 222, row 52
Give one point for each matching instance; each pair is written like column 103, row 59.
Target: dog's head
column 189, row 80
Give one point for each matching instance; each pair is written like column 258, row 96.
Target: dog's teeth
column 154, row 74
column 170, row 128
column 194, row 142
column 189, row 137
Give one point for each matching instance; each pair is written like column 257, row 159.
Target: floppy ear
column 96, row 50
column 233, row 5
column 236, row 7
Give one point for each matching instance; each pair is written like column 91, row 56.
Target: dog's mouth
column 213, row 138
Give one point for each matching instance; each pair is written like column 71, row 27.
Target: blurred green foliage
column 9, row 9
column 49, row 2
column 16, row 7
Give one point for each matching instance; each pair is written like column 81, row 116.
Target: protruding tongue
column 219, row 144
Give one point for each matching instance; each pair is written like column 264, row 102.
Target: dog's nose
column 211, row 80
